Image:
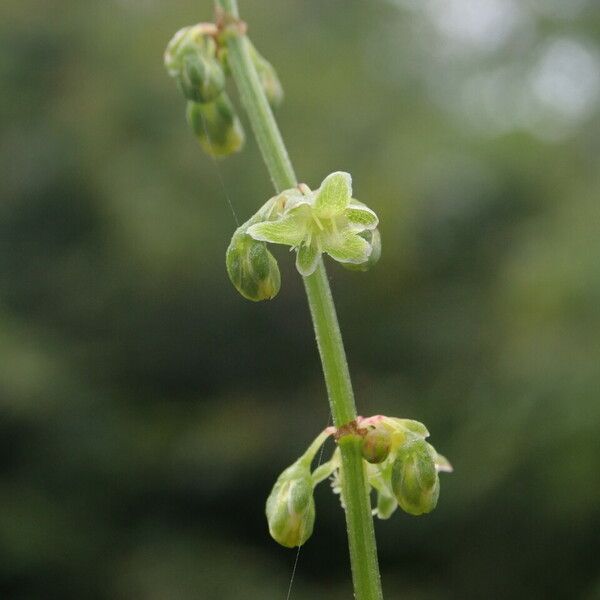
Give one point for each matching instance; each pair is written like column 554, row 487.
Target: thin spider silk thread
column 220, row 175
column 289, row 592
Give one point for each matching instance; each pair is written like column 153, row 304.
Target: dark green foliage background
column 146, row 408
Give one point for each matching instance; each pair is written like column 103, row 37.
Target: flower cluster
column 400, row 466
column 327, row 220
column 196, row 59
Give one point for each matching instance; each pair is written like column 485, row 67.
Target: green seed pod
column 290, row 507
column 268, row 78
column 252, row 268
column 191, row 58
column 415, row 480
column 216, row 126
column 374, row 238
column 376, row 445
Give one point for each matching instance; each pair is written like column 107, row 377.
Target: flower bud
column 415, row 480
column 216, row 126
column 201, row 79
column 290, row 507
column 376, row 445
column 252, row 268
column 191, row 57
column 374, row 238
column 268, row 78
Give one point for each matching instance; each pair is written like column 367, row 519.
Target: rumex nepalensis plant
column 385, row 454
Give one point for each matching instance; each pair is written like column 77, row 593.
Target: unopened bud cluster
column 197, row 60
column 400, row 466
column 406, row 471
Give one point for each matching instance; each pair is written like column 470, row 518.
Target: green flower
column 328, row 220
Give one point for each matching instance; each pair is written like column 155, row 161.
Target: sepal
column 373, row 238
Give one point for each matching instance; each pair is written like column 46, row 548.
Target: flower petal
column 360, row 216
column 334, row 195
column 347, row 247
column 307, row 259
column 289, row 230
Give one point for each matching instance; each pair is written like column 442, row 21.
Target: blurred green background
column 146, row 408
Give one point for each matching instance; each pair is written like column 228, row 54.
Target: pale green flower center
column 319, row 227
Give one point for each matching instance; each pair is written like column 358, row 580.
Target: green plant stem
column 359, row 521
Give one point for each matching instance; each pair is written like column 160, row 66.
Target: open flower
column 327, row 220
